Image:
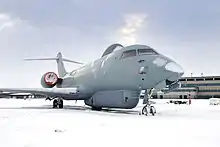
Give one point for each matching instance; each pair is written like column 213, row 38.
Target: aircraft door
column 146, row 70
column 142, row 76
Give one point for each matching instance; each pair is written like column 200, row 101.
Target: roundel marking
column 50, row 78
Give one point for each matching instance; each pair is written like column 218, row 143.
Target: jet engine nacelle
column 124, row 99
column 49, row 80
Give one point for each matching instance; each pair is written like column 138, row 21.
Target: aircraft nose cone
column 175, row 68
column 175, row 71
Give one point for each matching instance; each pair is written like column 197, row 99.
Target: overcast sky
column 187, row 31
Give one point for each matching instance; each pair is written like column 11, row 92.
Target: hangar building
column 195, row 87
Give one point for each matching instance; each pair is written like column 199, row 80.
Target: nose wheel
column 148, row 109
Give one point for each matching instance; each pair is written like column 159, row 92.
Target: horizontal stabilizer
column 48, row 59
column 71, row 61
column 40, row 59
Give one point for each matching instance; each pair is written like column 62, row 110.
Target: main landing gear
column 148, row 108
column 57, row 102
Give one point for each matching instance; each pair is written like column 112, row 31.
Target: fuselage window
column 130, row 53
column 147, row 52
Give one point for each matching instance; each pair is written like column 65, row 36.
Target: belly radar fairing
column 112, row 81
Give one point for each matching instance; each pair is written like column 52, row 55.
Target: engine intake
column 49, row 80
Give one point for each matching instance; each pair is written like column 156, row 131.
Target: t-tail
column 61, row 68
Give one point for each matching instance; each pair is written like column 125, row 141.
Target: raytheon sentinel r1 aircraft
column 112, row 81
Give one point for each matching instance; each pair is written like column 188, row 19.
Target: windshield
column 147, row 51
column 130, row 53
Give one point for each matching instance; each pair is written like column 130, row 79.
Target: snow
column 33, row 123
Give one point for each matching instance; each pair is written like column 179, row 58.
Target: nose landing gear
column 148, row 108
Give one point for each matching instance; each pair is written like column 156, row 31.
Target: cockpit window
column 147, row 51
column 130, row 53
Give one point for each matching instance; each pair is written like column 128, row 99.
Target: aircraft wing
column 51, row 92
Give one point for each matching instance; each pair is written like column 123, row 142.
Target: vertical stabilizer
column 60, row 66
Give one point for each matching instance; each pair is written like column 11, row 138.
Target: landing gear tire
column 58, row 103
column 144, row 111
column 55, row 103
column 151, row 110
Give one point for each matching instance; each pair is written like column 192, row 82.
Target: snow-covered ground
column 33, row 123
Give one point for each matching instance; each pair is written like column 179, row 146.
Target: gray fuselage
column 112, row 72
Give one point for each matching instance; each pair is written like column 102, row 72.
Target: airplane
column 112, row 81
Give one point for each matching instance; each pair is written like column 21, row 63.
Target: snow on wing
column 43, row 91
